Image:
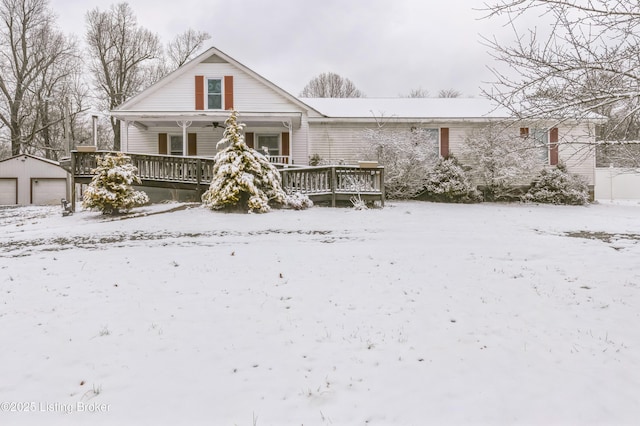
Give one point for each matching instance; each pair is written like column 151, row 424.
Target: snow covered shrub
column 298, row 201
column 110, row 190
column 500, row 160
column 448, row 183
column 407, row 156
column 242, row 177
column 557, row 186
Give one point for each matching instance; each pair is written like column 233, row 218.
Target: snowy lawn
column 414, row 314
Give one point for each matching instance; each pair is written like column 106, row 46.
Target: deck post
column 198, row 174
column 73, row 181
column 334, row 184
column 381, row 177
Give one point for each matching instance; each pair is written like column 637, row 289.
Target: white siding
column 577, row 150
column 249, row 94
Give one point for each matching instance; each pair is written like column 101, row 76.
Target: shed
column 27, row 179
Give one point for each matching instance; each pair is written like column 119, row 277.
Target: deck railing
column 336, row 183
column 328, row 183
column 164, row 168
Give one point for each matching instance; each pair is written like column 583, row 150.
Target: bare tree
column 500, row 159
column 35, row 61
column 417, row 93
column 587, row 60
column 184, row 46
column 121, row 56
column 330, row 85
column 449, row 93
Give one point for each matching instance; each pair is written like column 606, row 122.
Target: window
column 268, row 143
column 541, row 140
column 214, row 93
column 175, row 145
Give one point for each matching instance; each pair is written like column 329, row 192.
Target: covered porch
column 191, row 135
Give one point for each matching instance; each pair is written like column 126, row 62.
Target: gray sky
column 387, row 48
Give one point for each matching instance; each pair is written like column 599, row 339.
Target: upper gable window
column 214, row 93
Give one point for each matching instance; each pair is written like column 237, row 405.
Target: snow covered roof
column 447, row 108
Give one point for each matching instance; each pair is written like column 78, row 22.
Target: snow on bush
column 448, row 182
column 557, row 186
column 245, row 179
column 298, row 201
column 500, row 160
column 110, row 190
column 407, row 157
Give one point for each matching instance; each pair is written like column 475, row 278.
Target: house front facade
column 184, row 114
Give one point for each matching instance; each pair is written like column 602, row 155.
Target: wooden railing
column 335, row 183
column 321, row 183
column 160, row 168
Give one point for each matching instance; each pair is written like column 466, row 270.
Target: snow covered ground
column 414, row 314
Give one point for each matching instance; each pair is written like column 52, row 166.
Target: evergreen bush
column 448, row 182
column 110, row 190
column 558, row 186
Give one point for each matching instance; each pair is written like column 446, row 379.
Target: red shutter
column 524, row 132
column 199, row 92
column 444, row 142
column 285, row 145
column 228, row 92
column 553, row 146
column 162, row 143
column 192, row 146
column 248, row 138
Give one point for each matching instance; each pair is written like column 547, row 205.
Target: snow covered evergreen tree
column 245, row 179
column 557, row 186
column 448, row 182
column 110, row 190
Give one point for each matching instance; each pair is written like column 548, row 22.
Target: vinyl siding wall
column 249, row 94
column 345, row 142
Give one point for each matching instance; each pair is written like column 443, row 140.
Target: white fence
column 614, row 183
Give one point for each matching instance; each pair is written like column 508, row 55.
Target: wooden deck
column 320, row 183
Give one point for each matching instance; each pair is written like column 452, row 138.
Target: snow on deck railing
column 331, row 183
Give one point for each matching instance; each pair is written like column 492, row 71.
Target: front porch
column 273, row 134
column 320, row 183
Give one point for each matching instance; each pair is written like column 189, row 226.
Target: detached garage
column 26, row 179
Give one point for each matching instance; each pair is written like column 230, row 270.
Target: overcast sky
column 387, row 48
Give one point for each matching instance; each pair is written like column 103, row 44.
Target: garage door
column 8, row 191
column 48, row 191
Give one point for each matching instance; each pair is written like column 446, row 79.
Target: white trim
column 206, row 93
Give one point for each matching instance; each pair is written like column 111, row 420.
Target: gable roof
column 210, row 55
column 407, row 108
column 44, row 160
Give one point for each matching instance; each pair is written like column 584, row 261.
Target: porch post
column 124, row 146
column 289, row 126
column 185, row 144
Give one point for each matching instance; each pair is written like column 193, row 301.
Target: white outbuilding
column 26, row 179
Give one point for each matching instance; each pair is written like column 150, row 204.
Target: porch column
column 289, row 126
column 124, row 139
column 185, row 125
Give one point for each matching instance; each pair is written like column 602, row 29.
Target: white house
column 183, row 114
column 26, row 179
